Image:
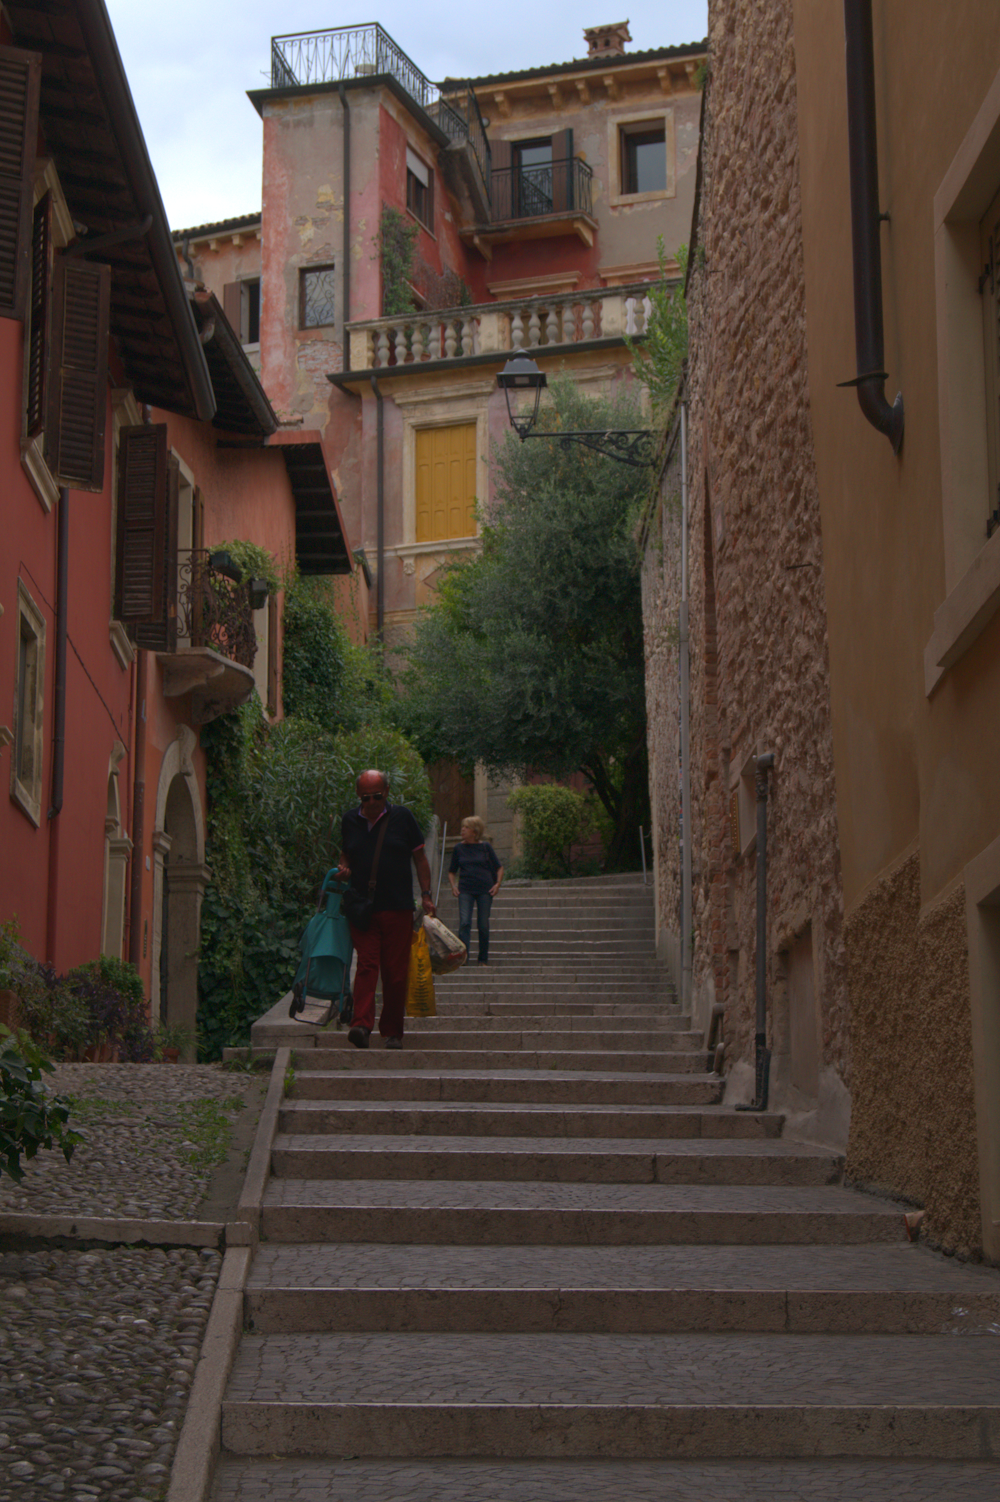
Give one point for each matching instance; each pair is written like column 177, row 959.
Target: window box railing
column 561, row 187
column 213, row 610
column 529, row 323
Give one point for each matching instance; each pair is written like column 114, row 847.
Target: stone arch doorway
column 179, row 877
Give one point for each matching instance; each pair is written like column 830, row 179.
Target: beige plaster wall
column 759, row 665
column 913, row 1121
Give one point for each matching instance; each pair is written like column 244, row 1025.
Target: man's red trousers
column 384, row 947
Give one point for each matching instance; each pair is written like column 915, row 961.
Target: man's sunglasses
column 372, row 797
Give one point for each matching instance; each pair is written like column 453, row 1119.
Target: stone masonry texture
column 909, row 981
column 759, row 662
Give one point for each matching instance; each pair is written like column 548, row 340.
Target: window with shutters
column 419, row 189
column 445, row 482
column 20, row 79
column 534, row 176
column 146, row 550
column 29, row 691
column 241, row 305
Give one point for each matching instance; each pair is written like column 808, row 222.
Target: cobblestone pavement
column 604, row 1481
column 137, row 1158
column 98, row 1347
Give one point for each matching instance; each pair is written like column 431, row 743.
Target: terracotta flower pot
column 171, row 1055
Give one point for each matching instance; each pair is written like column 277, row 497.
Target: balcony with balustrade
column 489, row 332
column 211, row 639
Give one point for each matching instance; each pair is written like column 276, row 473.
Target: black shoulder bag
column 359, row 907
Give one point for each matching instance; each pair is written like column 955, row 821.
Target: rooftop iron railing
column 311, row 57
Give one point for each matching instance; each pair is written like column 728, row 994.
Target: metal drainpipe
column 380, row 463
column 763, row 1060
column 138, row 816
column 346, row 250
column 687, row 958
column 865, row 217
column 59, row 723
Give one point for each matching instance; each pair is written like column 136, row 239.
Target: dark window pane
column 317, row 297
column 416, row 198
column 644, row 162
column 253, row 312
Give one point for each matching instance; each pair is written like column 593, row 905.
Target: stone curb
column 18, row 1230
column 199, row 1445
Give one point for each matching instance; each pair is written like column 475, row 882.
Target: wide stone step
column 333, row 1480
column 627, row 1396
column 634, row 1290
column 492, row 1212
column 616, row 1039
column 514, row 1086
column 567, row 1160
column 642, row 1011
column 653, row 1060
column 665, row 1030
column 468, row 1119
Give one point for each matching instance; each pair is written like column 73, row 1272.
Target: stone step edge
column 581, row 1430
column 528, row 1309
column 22, row 1231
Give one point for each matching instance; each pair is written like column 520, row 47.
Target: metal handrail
column 212, row 609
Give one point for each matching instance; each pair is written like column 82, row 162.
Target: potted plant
column 170, row 1041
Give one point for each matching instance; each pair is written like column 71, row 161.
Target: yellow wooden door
column 446, row 482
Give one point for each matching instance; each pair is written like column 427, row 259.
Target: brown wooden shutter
column 161, row 634
column 501, row 186
column 562, row 171
column 38, row 326
column 272, row 654
column 77, row 400
column 20, row 79
column 142, row 511
column 232, row 306
column 198, row 520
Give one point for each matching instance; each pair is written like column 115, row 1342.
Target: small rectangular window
column 316, row 297
column 644, row 159
column 446, row 482
column 419, row 189
column 26, row 763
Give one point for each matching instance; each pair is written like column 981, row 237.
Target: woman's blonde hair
column 474, row 822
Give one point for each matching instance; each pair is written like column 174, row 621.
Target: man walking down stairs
column 532, row 1258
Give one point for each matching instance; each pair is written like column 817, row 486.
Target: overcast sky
column 190, row 64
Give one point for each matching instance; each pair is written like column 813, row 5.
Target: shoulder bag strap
column 378, row 851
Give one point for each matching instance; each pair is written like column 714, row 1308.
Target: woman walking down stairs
column 533, row 1259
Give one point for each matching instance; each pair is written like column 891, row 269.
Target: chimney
column 607, row 41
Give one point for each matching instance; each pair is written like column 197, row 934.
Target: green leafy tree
column 532, row 659
column 328, row 679
column 553, row 820
column 659, row 359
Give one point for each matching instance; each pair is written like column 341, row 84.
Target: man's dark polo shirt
column 393, row 884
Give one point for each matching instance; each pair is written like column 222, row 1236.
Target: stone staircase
column 532, row 1258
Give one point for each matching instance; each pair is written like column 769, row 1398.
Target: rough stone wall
column 912, row 1120
column 759, row 664
column 661, row 592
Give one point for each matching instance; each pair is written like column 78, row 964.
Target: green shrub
column 30, row 1119
column 553, row 820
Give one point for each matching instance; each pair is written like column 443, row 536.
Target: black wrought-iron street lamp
column 521, row 374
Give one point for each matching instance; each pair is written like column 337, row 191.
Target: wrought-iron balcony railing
column 500, row 328
column 311, row 57
column 213, row 610
column 563, row 187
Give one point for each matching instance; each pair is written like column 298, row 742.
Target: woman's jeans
column 484, row 902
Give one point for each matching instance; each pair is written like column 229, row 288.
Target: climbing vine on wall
column 397, row 238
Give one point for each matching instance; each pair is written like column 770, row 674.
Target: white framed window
column 641, row 157
column 420, row 189
column 29, row 699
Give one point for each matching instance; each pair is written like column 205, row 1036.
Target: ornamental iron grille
column 318, row 301
column 213, row 610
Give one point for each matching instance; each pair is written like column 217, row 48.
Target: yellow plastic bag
column 420, row 982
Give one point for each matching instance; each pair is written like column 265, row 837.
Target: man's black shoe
column 359, row 1035
column 393, row 1042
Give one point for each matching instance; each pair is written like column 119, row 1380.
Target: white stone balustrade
column 499, row 328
